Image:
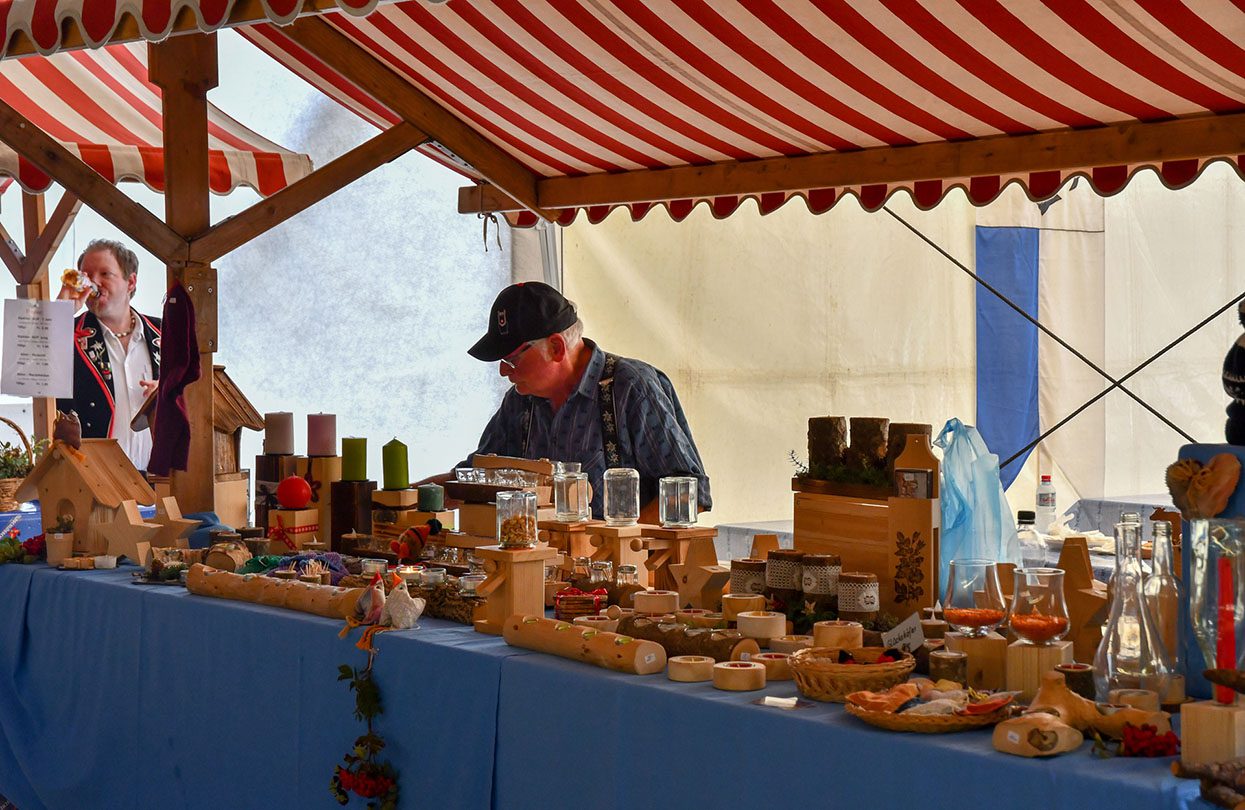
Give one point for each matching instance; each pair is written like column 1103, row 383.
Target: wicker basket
column 820, row 676
column 929, row 723
column 8, row 486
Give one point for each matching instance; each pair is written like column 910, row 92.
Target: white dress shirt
column 128, row 367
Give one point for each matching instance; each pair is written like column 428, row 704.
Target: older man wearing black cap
column 572, row 401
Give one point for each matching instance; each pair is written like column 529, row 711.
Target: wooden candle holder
column 321, row 472
column 987, row 659
column 291, row 527
column 1026, row 663
column 351, row 510
column 515, row 585
column 620, row 545
column 1211, row 732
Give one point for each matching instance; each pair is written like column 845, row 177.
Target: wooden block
column 515, row 584
column 479, row 519
column 1026, row 663
column 488, row 461
column 233, row 498
column 1211, row 732
column 987, row 659
column 289, row 529
column 395, row 498
column 321, row 472
column 689, row 533
column 407, row 518
column 351, row 510
column 762, row 545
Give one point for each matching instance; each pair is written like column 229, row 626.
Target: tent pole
column 184, row 67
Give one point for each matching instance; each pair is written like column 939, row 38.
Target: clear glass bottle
column 622, row 496
column 516, row 519
column 570, row 496
column 1164, row 594
column 1131, row 654
column 1126, row 519
column 1038, row 613
column 676, row 501
column 1032, row 549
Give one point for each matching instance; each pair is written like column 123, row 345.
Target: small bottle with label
column 1046, row 513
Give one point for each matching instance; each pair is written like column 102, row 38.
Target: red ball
column 294, row 493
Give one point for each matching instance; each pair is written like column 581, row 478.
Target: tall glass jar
column 1164, row 594
column 1131, row 654
column 622, row 496
column 1216, row 595
column 676, row 501
column 570, row 496
column 516, row 519
column 974, row 601
column 1038, row 614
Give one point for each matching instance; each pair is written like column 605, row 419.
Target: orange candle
column 972, row 617
column 1038, row 627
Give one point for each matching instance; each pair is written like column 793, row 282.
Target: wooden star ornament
column 128, row 535
column 174, row 528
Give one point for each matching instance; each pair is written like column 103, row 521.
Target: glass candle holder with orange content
column 1038, row 613
column 974, row 602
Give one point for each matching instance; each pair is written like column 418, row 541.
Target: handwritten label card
column 38, row 348
column 907, row 635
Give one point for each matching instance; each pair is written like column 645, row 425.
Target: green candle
column 431, row 497
column 354, row 459
column 397, row 474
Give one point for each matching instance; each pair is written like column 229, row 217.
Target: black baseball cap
column 523, row 312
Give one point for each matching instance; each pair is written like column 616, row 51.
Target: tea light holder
column 372, row 566
column 433, row 575
column 468, row 583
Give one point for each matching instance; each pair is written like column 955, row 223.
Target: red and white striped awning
column 587, row 87
column 101, row 106
column 598, row 97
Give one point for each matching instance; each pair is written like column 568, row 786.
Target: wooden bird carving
column 68, row 429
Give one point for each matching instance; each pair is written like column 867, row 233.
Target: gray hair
column 571, row 336
column 126, row 259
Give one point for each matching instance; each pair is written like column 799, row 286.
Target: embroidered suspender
column 609, row 416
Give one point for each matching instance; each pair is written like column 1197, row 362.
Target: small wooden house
column 231, row 412
column 88, row 484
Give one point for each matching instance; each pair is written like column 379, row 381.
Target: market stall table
column 148, row 696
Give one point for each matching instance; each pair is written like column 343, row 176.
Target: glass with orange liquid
column 974, row 602
column 1038, row 613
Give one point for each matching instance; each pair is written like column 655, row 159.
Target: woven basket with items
column 820, row 676
column 15, row 463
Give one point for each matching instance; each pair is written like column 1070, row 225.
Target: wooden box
column 291, row 527
column 479, row 519
column 894, row 538
column 1027, row 663
column 1211, row 732
column 320, row 472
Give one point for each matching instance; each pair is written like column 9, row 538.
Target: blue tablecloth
column 119, row 695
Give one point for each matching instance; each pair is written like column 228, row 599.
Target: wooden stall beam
column 11, row 255
column 81, row 180
column 356, row 64
column 302, row 194
column 51, row 234
column 185, row 69
column 1121, row 144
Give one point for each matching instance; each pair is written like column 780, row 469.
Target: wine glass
column 974, row 602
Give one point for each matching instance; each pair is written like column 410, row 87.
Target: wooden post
column 184, row 67
column 34, row 219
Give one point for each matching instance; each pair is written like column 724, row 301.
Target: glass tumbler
column 570, row 497
column 622, row 496
column 676, row 501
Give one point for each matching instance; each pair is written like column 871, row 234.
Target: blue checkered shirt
column 652, row 429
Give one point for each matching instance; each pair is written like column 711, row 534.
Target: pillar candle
column 354, row 459
column 393, row 456
column 431, row 497
column 279, row 433
column 321, row 434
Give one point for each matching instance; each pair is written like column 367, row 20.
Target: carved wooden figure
column 128, row 535
column 699, row 579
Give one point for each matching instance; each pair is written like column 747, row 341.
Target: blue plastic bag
column 976, row 518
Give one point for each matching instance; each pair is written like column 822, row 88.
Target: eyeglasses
column 512, row 360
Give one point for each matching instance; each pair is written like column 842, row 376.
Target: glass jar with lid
column 622, row 496
column 601, row 573
column 628, row 575
column 516, row 519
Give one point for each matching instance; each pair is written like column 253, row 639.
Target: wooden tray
column 929, row 723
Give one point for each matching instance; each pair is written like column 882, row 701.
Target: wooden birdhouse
column 90, row 484
column 231, row 412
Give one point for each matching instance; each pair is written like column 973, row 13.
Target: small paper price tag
column 907, row 635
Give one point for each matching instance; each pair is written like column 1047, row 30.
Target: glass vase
column 974, row 602
column 1038, row 614
column 1131, row 654
column 1164, row 594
